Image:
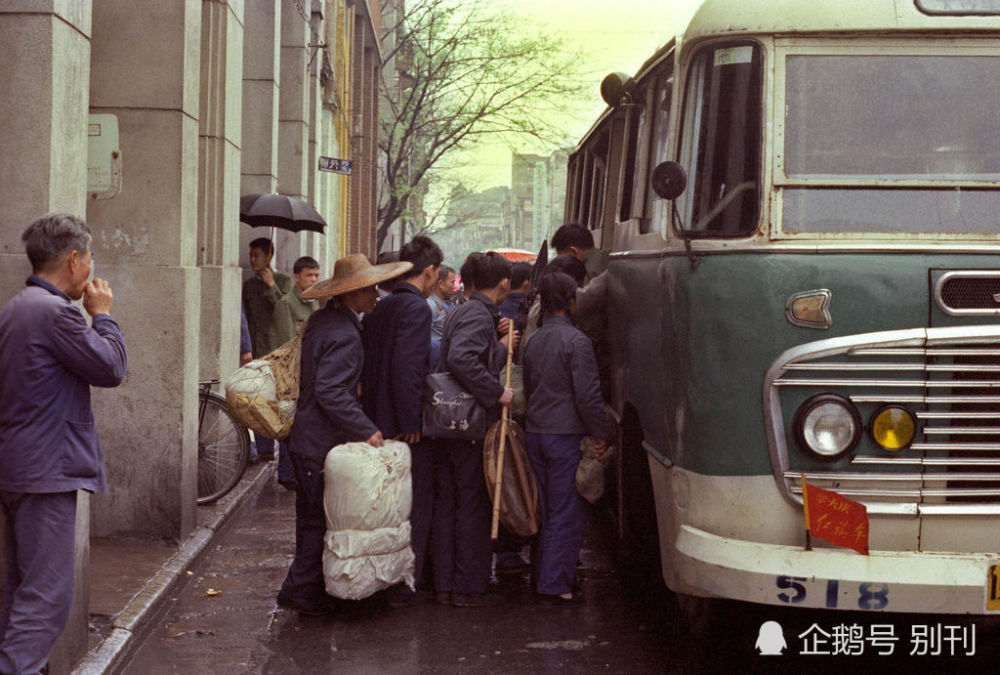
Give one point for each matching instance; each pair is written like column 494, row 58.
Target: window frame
column 688, row 145
column 863, row 46
column 657, row 148
column 858, row 48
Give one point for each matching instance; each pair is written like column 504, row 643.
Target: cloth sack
column 449, row 411
column 519, row 509
column 367, row 496
column 590, row 470
column 262, row 394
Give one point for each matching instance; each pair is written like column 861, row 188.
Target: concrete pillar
column 219, row 185
column 328, row 195
column 44, row 91
column 365, row 73
column 339, row 103
column 43, row 104
column 261, row 94
column 312, row 242
column 147, row 246
column 314, row 103
column 293, row 122
column 332, row 66
column 293, row 109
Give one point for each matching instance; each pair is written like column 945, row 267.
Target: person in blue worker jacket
column 49, row 449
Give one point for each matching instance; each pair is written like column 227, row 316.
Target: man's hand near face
column 97, row 297
column 267, row 276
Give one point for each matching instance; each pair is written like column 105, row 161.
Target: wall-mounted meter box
column 104, row 158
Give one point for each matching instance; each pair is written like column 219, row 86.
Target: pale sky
column 612, row 36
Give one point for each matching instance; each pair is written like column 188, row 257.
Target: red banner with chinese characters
column 836, row 518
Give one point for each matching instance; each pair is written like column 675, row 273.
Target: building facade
column 214, row 99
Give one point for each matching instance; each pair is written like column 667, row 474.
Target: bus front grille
column 949, row 378
column 970, row 293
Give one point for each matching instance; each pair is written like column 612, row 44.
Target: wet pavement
column 224, row 618
column 132, row 579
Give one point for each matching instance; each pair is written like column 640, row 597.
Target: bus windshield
column 876, row 143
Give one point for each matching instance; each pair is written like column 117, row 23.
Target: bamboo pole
column 495, row 529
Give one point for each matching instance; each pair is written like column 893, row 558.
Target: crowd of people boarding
column 365, row 356
column 363, row 364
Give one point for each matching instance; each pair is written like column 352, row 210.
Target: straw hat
column 353, row 272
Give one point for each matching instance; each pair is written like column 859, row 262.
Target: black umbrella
column 540, row 262
column 274, row 210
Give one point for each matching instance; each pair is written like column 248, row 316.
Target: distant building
column 521, row 216
column 538, row 196
column 474, row 221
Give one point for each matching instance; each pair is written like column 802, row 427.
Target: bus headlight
column 827, row 427
column 893, row 427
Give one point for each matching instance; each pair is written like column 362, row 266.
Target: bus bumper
column 893, row 581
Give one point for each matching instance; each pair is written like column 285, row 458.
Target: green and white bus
column 802, row 198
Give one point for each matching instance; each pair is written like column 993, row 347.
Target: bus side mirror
column 615, row 88
column 668, row 180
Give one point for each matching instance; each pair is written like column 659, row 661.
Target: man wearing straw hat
column 328, row 413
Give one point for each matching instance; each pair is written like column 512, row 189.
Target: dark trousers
column 460, row 535
column 422, row 511
column 39, row 540
column 554, row 457
column 304, row 584
column 286, row 472
column 265, row 446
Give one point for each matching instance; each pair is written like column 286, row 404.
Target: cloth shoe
column 320, row 607
column 557, row 600
column 510, row 562
column 407, row 598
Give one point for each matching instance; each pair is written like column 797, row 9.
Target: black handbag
column 450, row 412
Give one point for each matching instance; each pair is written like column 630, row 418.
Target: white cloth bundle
column 262, row 394
column 367, row 496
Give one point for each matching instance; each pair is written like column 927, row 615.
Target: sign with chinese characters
column 836, row 518
column 335, row 164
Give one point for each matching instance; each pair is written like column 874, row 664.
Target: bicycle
column 223, row 446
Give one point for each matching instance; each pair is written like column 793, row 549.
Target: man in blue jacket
column 49, row 359
column 397, row 341
column 328, row 413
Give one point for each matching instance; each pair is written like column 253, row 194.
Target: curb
column 134, row 623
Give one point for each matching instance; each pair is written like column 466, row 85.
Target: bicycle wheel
column 223, row 448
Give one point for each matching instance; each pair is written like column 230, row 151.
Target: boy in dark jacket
column 470, row 351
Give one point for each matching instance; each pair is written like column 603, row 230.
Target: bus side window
column 595, row 182
column 656, row 209
column 721, row 141
column 635, row 132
